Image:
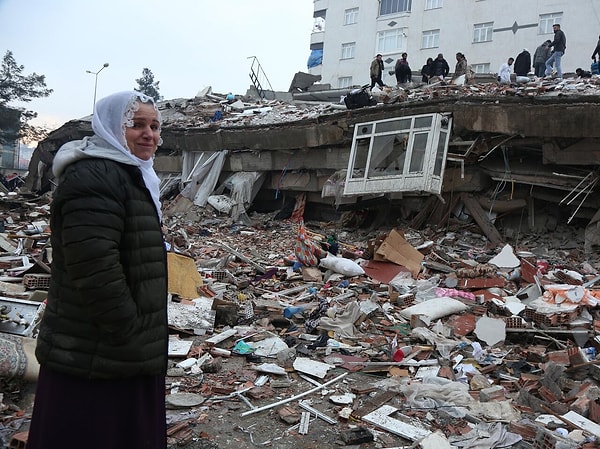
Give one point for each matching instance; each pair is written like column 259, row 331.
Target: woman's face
column 142, row 138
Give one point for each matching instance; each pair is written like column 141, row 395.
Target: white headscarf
column 112, row 115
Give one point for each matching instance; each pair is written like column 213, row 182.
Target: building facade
column 347, row 34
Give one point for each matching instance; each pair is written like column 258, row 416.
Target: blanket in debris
column 307, row 252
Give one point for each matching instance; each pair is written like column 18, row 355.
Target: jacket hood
column 88, row 147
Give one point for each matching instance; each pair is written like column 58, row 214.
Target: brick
column 581, row 406
column 560, row 357
column 526, row 430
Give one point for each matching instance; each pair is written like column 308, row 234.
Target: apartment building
column 347, row 34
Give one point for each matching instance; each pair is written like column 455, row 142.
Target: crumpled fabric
column 436, row 392
column 307, row 252
column 343, row 323
column 486, row 436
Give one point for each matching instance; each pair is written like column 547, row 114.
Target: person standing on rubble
column 523, row 63
column 504, row 72
column 427, row 71
column 596, row 50
column 461, row 66
column 376, row 71
column 103, row 337
column 560, row 45
column 541, row 55
column 402, row 70
column 440, row 67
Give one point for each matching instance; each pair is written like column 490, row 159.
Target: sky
column 187, row 44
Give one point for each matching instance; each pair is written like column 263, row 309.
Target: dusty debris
column 491, row 339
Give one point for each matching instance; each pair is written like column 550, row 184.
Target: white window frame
column 547, row 20
column 351, row 16
column 344, row 82
column 484, row 67
column 433, row 4
column 430, row 39
column 482, row 32
column 387, row 7
column 348, row 50
column 390, row 41
column 402, row 154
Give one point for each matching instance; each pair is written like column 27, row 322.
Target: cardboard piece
column 184, row 278
column 383, row 271
column 396, row 249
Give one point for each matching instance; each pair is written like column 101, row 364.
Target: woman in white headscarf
column 102, row 345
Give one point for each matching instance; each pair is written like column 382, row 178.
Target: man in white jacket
column 504, row 72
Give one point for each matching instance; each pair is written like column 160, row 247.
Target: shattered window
column 404, row 154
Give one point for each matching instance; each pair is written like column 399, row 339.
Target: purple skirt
column 74, row 413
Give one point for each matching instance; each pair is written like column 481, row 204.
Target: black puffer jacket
column 106, row 315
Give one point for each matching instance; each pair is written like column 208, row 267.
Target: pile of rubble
column 208, row 109
column 289, row 335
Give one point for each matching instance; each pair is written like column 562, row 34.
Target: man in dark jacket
column 596, row 50
column 523, row 63
column 440, row 67
column 402, row 70
column 560, row 45
column 541, row 55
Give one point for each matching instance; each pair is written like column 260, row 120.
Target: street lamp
column 96, row 81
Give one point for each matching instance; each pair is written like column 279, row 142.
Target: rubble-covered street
column 429, row 338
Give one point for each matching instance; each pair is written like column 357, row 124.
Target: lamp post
column 105, row 65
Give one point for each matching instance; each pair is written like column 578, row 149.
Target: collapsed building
column 494, row 338
column 502, row 156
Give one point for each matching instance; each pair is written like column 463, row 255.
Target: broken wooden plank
column 482, row 219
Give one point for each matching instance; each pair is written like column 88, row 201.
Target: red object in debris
column 542, row 266
column 401, row 353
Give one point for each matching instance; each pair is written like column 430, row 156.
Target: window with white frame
column 348, row 50
column 394, row 6
column 350, row 16
column 430, row 39
column 481, row 68
column 482, row 32
column 344, row 82
column 403, row 154
column 389, row 41
column 547, row 20
column 433, row 4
